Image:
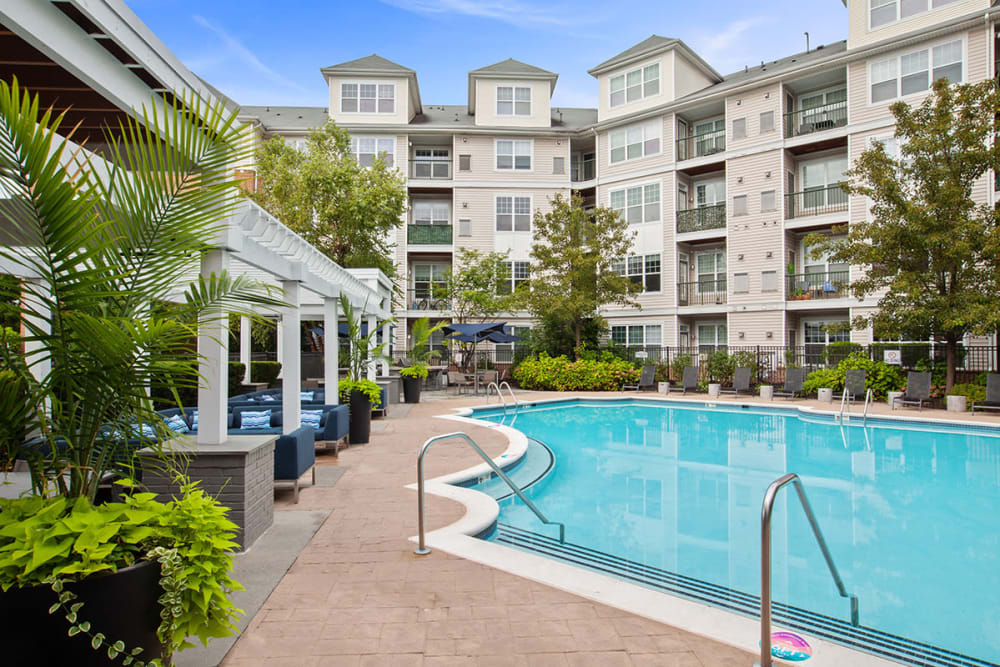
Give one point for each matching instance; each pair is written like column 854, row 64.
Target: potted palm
column 106, row 322
column 359, row 392
column 420, row 356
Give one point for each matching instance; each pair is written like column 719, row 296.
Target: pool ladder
column 845, row 403
column 765, row 561
column 422, row 549
column 498, row 388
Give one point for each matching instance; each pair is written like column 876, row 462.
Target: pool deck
column 357, row 596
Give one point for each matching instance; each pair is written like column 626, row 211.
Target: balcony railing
column 428, row 234
column 583, row 171
column 702, row 218
column 701, row 293
column 820, row 285
column 430, row 169
column 815, row 201
column 707, row 143
column 807, row 121
column 423, row 298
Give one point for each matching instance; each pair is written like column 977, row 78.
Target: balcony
column 817, row 119
column 815, row 201
column 428, row 234
column 584, row 170
column 702, row 218
column 701, row 293
column 422, row 298
column 700, row 145
column 819, row 285
column 430, row 169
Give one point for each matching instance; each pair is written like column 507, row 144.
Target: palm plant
column 109, row 308
column 364, row 351
column 421, row 353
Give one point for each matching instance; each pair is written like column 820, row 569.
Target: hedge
column 560, row 374
column 264, row 371
column 881, row 377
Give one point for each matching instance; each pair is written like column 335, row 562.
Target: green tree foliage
column 573, row 252
column 929, row 251
column 478, row 287
column 345, row 210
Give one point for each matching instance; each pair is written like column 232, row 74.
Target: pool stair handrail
column 845, row 401
column 765, row 561
column 422, row 549
column 491, row 386
column 869, row 400
column 499, row 388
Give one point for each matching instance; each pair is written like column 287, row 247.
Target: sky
column 270, row 53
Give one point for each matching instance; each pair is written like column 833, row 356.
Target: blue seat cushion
column 312, row 418
column 306, row 395
column 177, row 424
column 258, row 420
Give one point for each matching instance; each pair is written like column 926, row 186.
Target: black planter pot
column 361, row 418
column 122, row 606
column 411, row 390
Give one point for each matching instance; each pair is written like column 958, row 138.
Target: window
column 883, row 12
column 767, row 122
column 516, row 275
column 505, row 351
column 741, row 283
column 818, row 334
column 513, row 101
column 581, row 166
column 767, row 201
column 739, row 128
column 641, row 270
column 740, row 205
column 514, row 154
column 637, row 335
column 431, row 213
column 635, row 85
column 431, row 163
column 820, row 271
column 768, row 281
column 367, row 97
column 638, row 204
column 712, row 337
column 710, row 193
column 914, row 72
column 635, row 141
column 513, row 214
column 711, row 267
column 465, row 163
column 428, row 281
column 820, row 183
column 558, row 165
column 366, row 148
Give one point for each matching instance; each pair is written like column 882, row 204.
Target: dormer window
column 513, row 101
column 635, row 85
column 367, row 97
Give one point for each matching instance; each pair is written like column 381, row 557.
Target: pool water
column 669, row 495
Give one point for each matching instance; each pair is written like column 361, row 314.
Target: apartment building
column 720, row 176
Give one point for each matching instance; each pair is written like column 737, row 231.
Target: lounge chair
column 646, row 379
column 794, row 377
column 741, row 382
column 458, row 379
column 992, row 401
column 918, row 390
column 688, row 381
column 854, row 384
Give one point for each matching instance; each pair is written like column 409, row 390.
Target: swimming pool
column 668, row 495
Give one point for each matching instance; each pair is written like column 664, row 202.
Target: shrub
column 418, row 370
column 560, row 374
column 836, row 352
column 677, row 366
column 264, row 371
column 881, row 377
column 972, row 392
column 236, row 371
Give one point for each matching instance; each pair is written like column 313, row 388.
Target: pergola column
column 331, row 350
column 290, row 349
column 213, row 351
column 370, row 365
column 245, row 342
column 280, row 352
column 388, row 347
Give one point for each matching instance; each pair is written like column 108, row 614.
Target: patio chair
column 458, row 379
column 646, row 379
column 794, row 377
column 854, row 384
column 741, row 382
column 688, row 381
column 918, row 390
column 992, row 401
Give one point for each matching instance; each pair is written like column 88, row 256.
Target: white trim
column 367, row 82
column 513, row 169
column 531, row 212
column 899, row 19
column 513, row 101
column 656, row 121
column 642, row 185
column 636, row 323
column 896, row 57
column 642, row 71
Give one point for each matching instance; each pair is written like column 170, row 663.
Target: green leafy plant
column 972, row 392
column 363, row 348
column 836, row 352
column 677, row 366
column 365, row 386
column 720, row 367
column 560, row 374
column 264, row 371
column 881, row 377
column 418, row 370
column 421, row 353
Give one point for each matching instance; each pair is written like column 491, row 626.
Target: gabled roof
column 287, row 119
column 651, row 46
column 373, row 64
column 509, row 68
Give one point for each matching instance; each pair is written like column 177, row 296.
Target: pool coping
column 482, row 512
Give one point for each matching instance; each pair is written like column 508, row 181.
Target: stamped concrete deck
column 358, row 596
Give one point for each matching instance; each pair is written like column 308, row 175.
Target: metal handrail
column 421, row 545
column 869, row 400
column 844, row 398
column 510, row 390
column 765, row 561
column 494, row 385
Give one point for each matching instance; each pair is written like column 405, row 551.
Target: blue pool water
column 668, row 495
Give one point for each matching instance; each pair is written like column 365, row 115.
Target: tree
column 344, row 209
column 478, row 287
column 573, row 253
column 929, row 249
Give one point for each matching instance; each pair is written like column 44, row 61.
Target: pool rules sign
column 894, row 357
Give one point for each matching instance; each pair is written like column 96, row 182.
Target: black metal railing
column 426, row 298
column 700, row 145
column 428, row 234
column 702, row 218
column 815, row 201
column 821, row 285
column 430, row 169
column 701, row 293
column 817, row 119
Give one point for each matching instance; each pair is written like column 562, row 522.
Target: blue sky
column 270, row 52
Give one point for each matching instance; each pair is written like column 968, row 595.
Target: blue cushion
column 177, row 424
column 312, row 418
column 305, row 395
column 268, row 397
column 255, row 420
column 194, row 420
column 145, row 430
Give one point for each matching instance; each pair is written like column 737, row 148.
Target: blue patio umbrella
column 472, row 333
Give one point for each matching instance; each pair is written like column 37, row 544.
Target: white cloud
column 513, row 12
column 729, row 47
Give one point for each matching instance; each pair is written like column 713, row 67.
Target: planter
column 767, row 392
column 891, row 398
column 824, row 395
column 411, row 390
column 121, row 605
column 361, row 418
column 714, row 389
column 663, row 387
column 956, row 403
